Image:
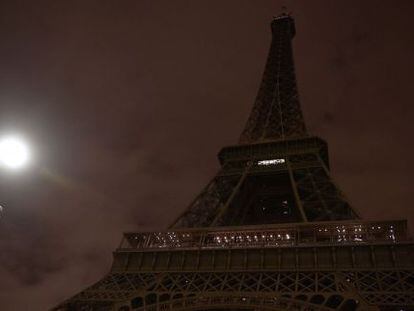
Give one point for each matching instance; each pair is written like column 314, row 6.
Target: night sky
column 126, row 104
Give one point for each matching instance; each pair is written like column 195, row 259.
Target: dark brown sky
column 126, row 104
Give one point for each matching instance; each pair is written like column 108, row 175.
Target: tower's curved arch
column 215, row 302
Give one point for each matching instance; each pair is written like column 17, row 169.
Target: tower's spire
column 276, row 112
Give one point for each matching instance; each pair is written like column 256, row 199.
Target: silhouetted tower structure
column 271, row 231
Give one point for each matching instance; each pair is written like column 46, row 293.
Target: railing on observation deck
column 325, row 233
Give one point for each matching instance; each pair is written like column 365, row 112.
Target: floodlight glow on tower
column 14, row 153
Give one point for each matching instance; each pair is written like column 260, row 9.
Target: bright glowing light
column 14, row 153
column 271, row 162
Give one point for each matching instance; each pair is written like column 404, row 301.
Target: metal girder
column 317, row 197
column 325, row 289
column 276, row 113
column 323, row 257
column 325, row 276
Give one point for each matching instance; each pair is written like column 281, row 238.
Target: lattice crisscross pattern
column 291, row 244
column 276, row 112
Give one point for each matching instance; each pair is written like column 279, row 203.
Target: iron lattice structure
column 276, row 112
column 271, row 231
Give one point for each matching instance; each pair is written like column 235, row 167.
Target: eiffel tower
column 271, row 231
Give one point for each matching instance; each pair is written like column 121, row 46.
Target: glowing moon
column 14, row 153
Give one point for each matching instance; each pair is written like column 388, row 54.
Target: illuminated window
column 271, row 162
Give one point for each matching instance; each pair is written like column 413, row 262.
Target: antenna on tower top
column 284, row 12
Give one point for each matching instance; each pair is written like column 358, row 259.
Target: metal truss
column 276, row 112
column 147, row 274
column 270, row 236
column 290, row 290
column 321, row 256
column 316, row 196
column 319, row 196
column 203, row 209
